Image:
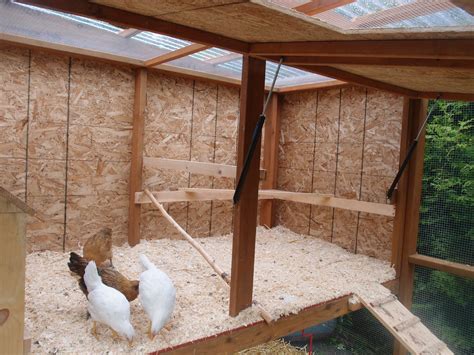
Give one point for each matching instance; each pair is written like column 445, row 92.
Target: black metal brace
column 409, row 154
column 255, row 137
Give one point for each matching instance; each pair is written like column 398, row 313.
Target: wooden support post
column 409, row 200
column 12, row 276
column 245, row 212
column 400, row 195
column 271, row 140
column 135, row 182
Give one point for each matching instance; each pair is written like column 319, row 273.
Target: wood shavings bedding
column 291, row 272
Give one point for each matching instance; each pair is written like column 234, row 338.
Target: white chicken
column 157, row 295
column 107, row 305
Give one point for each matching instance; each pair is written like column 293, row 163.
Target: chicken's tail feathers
column 77, row 264
column 146, row 263
column 91, row 277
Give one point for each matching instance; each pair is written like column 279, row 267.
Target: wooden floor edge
column 257, row 333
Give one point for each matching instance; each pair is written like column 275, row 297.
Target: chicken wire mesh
column 446, row 223
column 445, row 302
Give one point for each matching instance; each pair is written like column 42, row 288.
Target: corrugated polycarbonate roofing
column 155, row 42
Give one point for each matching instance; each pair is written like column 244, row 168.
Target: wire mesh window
column 444, row 302
column 357, row 333
column 447, row 209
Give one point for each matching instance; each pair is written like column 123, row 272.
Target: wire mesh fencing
column 445, row 302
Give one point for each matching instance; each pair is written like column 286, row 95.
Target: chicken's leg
column 150, row 333
column 94, row 330
column 115, row 336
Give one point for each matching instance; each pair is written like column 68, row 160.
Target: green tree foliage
column 446, row 302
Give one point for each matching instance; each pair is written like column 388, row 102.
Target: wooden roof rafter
column 179, row 53
column 325, row 60
column 415, row 49
column 128, row 32
column 318, row 6
column 224, row 58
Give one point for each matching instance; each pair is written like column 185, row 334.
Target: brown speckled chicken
column 109, row 275
column 99, row 247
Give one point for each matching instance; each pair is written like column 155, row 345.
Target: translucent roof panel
column 379, row 14
column 57, row 30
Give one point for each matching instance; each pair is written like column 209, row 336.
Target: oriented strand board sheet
column 285, row 282
column 424, row 79
column 254, row 21
column 14, row 63
column 350, row 149
column 87, row 214
column 13, row 176
column 152, row 8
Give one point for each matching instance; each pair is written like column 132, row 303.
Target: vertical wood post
column 245, row 212
column 400, row 195
column 135, row 181
column 271, row 140
column 408, row 201
column 12, row 277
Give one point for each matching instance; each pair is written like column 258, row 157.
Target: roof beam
column 317, row 6
column 466, row 5
column 404, row 62
column 428, row 49
column 145, row 23
column 224, row 58
column 380, row 85
column 360, row 80
column 179, row 53
column 128, row 32
column 402, row 13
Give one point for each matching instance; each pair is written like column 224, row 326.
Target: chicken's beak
column 130, row 343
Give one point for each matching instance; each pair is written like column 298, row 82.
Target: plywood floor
column 292, row 272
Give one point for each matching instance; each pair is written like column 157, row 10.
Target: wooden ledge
column 201, row 194
column 257, row 333
column 451, row 267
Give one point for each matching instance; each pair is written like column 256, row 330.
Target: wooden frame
column 370, row 60
column 13, row 213
column 409, row 196
column 415, row 49
column 197, row 167
column 136, row 163
column 245, row 211
column 271, row 143
column 253, row 334
column 179, row 53
column 314, row 7
column 202, row 194
column 442, row 265
column 401, row 192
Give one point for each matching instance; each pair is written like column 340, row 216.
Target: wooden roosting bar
column 387, row 61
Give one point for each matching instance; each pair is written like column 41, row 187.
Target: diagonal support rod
column 409, row 154
column 255, row 138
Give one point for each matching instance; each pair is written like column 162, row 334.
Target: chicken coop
column 144, row 117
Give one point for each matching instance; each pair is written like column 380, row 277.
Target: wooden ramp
column 405, row 327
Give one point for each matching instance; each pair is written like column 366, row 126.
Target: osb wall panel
column 343, row 142
column 99, row 150
column 189, row 120
column 65, row 146
column 14, row 76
